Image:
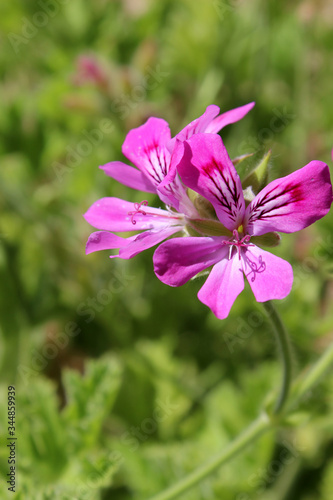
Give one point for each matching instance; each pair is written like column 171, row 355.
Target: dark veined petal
column 207, row 169
column 292, row 202
column 145, row 146
column 172, row 191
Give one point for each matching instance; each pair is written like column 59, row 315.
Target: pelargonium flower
column 286, row 205
column 151, row 149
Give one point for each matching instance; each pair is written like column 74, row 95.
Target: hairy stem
column 282, row 339
column 252, row 433
column 312, row 378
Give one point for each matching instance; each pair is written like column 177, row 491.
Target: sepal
column 209, row 227
column 267, row 240
column 258, row 177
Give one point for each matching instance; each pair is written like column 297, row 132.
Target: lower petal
column 269, row 276
column 146, row 240
column 223, row 285
column 103, row 240
column 114, row 214
column 178, row 260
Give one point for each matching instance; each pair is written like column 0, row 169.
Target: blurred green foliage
column 123, row 384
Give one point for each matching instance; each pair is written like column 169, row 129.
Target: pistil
column 138, row 210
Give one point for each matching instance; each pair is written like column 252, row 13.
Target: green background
column 120, row 393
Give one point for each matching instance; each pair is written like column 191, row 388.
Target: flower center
column 238, row 242
column 138, row 210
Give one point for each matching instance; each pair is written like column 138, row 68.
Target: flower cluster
column 212, row 222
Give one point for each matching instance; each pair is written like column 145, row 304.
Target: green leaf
column 90, row 399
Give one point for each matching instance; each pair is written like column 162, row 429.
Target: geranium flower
column 150, row 148
column 287, row 204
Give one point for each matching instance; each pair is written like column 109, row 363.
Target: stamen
column 138, row 210
column 238, row 243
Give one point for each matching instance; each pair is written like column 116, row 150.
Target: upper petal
column 129, row 176
column 145, row 146
column 224, row 283
column 199, row 125
column 172, row 191
column 114, row 214
column 269, row 276
column 207, row 169
column 231, row 116
column 178, row 260
column 292, row 202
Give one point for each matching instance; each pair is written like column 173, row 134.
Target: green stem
column 263, row 423
column 282, row 339
column 312, row 378
column 253, row 432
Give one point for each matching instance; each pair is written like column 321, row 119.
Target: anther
column 238, row 243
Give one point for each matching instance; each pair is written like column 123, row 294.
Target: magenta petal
column 129, row 176
column 199, row 125
column 207, row 169
column 145, row 146
column 270, row 277
column 103, row 240
column 231, row 116
column 114, row 214
column 224, row 283
column 292, row 202
column 172, row 191
column 146, row 240
column 178, row 260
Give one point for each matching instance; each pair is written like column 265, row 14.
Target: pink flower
column 151, row 149
column 286, row 205
column 89, row 70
